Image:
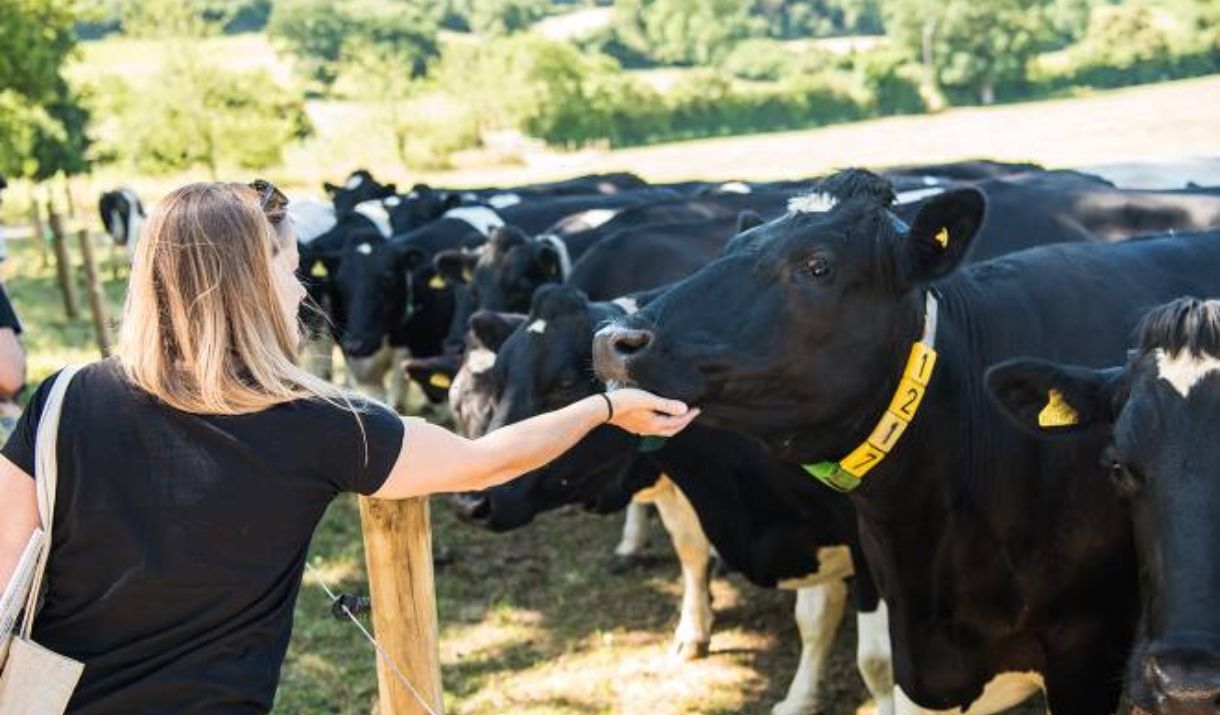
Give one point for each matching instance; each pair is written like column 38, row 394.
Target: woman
column 195, row 465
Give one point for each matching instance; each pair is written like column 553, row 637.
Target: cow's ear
column 1048, row 399
column 941, row 235
column 330, row 188
column 549, row 260
column 492, row 328
column 747, row 220
column 451, row 201
column 456, row 266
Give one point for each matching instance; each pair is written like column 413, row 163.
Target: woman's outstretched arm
column 435, row 460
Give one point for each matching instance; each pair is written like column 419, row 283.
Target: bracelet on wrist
column 609, row 407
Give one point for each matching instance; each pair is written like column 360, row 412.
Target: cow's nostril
column 631, row 342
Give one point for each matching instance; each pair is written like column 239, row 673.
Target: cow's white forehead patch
column 930, row 181
column 910, row 197
column 480, row 360
column 538, row 327
column 392, row 201
column 627, row 305
column 353, row 181
column 364, row 249
column 815, row 203
column 1184, row 370
column 735, row 187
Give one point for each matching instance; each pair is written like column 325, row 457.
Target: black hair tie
column 609, row 406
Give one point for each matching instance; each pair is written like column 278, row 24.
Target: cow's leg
column 819, row 611
column 396, row 392
column 694, row 633
column 873, row 657
column 366, row 375
column 317, row 354
column 635, row 532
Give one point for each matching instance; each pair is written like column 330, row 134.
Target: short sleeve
column 371, row 440
column 19, row 449
column 8, row 317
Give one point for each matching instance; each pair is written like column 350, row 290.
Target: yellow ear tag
column 441, row 380
column 467, row 275
column 318, row 270
column 1057, row 412
column 942, row 237
column 437, row 283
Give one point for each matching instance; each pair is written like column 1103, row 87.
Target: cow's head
column 543, row 365
column 371, row 287
column 800, row 330
column 513, row 265
column 359, row 187
column 419, row 207
column 1161, row 412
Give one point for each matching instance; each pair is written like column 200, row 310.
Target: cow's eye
column 818, row 266
column 1127, row 478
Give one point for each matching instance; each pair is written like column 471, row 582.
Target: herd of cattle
column 1002, row 366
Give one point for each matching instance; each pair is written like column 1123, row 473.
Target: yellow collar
column 846, row 474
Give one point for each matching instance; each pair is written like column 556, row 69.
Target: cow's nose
column 1184, row 682
column 628, row 343
column 472, row 506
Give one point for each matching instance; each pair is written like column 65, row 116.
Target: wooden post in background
column 63, row 265
column 40, row 230
column 93, row 288
column 398, row 555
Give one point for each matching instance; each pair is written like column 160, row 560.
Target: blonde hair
column 203, row 329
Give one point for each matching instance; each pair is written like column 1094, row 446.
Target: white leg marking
column 873, row 657
column 317, row 355
column 1004, row 691
column 695, row 626
column 635, row 531
column 819, row 611
column 397, row 390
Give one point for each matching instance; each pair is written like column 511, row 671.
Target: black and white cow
column 122, row 216
column 852, row 343
column 708, row 485
column 1151, row 425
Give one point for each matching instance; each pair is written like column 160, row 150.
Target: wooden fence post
column 40, row 230
column 63, row 266
column 398, row 555
column 93, row 288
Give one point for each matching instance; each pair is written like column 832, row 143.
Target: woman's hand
column 644, row 413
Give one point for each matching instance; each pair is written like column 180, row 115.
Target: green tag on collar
column 833, row 476
column 650, row 444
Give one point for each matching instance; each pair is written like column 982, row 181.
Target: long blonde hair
column 202, row 327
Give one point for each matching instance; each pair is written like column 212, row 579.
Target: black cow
column 1151, row 425
column 359, row 187
column 995, row 564
column 122, row 215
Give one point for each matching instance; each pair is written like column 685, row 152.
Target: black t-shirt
column 8, row 317
column 180, row 539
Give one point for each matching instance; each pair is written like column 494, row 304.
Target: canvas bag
column 37, row 681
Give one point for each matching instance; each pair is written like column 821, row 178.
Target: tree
column 496, row 18
column 686, row 32
column 41, row 120
column 968, row 45
column 326, row 38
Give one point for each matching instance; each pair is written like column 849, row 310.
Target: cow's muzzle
column 1183, row 681
column 615, row 347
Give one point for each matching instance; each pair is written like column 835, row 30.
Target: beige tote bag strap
column 46, row 478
